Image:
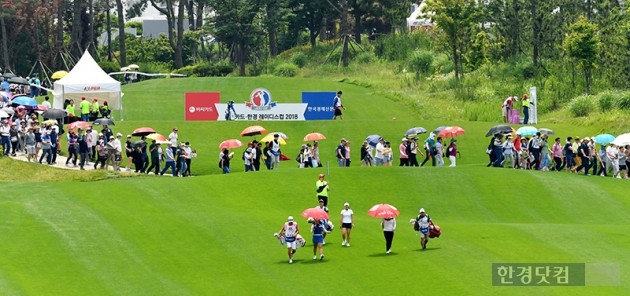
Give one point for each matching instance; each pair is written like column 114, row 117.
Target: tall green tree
column 582, row 46
column 122, row 48
column 233, row 25
column 454, row 19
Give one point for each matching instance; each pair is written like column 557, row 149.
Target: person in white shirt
column 379, row 158
column 290, row 230
column 46, row 103
column 338, row 106
column 508, row 151
column 389, row 226
column 613, row 160
column 275, row 152
column 424, row 222
column 117, row 151
column 92, row 138
column 347, row 222
column 174, row 137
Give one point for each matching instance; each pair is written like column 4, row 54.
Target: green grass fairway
column 212, row 234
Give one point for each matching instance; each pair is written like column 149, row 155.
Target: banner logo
column 200, row 105
column 260, row 99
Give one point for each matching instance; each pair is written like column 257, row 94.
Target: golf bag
column 301, row 242
column 434, row 231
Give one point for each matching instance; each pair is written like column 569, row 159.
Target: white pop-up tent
column 88, row 80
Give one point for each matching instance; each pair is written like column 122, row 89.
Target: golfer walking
column 347, row 222
column 424, row 221
column 322, row 189
column 290, row 231
column 389, row 226
column 318, row 231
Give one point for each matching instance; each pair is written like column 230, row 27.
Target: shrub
column 299, row 59
column 581, row 106
column 421, row 61
column 286, row 70
column 335, row 56
column 188, row 70
column 366, row 57
column 623, row 102
column 443, row 64
column 109, row 67
column 606, row 101
column 224, row 68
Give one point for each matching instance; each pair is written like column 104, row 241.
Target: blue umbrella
column 24, row 101
column 604, row 139
column 372, row 140
column 415, row 131
column 527, row 131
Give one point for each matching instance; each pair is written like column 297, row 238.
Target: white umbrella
column 124, row 69
column 3, row 114
column 622, row 140
column 133, row 66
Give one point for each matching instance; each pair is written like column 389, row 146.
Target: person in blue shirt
column 318, row 231
column 4, row 85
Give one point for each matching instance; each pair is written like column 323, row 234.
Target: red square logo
column 200, row 105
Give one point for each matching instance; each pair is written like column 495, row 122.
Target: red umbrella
column 142, row 131
column 314, row 137
column 79, row 124
column 230, row 144
column 160, row 139
column 253, row 131
column 383, row 211
column 451, row 131
column 315, row 213
column 41, row 108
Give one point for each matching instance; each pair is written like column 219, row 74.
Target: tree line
column 591, row 35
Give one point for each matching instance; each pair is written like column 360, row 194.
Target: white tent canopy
column 89, row 80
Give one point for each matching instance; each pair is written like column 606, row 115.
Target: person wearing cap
column 46, row 147
column 535, row 149
column 101, row 151
column 347, row 222
column 107, row 133
column 439, row 152
column 188, row 156
column 451, row 151
column 275, row 151
column 117, row 150
column 290, row 231
column 91, row 137
column 327, row 224
column 174, row 138
column 224, row 162
column 29, row 143
column 508, row 151
column 612, row 153
column 404, row 157
column 54, row 140
column 424, row 222
column 322, row 188
column 338, row 106
column 94, row 109
column 85, row 109
column 341, row 153
column 429, row 149
column 584, row 153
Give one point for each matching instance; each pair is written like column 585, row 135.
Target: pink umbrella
column 315, row 213
column 143, row 131
column 314, row 137
column 451, row 131
column 230, row 144
column 79, row 124
column 383, row 211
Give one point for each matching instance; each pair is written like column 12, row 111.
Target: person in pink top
column 404, row 158
column 556, row 152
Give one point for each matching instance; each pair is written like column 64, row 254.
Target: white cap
column 290, row 218
column 346, row 204
column 422, row 210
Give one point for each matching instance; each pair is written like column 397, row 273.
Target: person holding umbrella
column 389, row 226
column 225, row 160
column 290, row 230
column 451, row 151
column 347, row 222
column 318, row 230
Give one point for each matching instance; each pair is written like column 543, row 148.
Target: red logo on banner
column 200, row 105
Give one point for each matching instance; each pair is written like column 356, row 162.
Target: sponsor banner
column 320, row 105
column 280, row 112
column 201, row 105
